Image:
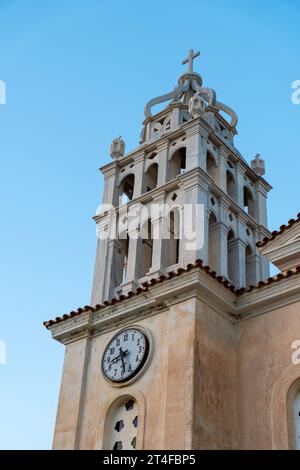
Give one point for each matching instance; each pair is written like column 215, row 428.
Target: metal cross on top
column 189, row 60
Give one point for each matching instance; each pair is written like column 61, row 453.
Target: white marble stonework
column 186, row 151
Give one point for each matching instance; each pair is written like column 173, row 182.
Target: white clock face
column 125, row 355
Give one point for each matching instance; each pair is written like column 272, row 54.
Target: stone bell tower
column 163, row 308
column 186, row 156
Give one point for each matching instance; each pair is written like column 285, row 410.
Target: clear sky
column 78, row 73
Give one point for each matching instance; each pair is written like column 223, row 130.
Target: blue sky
column 78, row 73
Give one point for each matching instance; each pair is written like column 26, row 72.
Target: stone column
column 240, row 182
column 97, row 296
column 264, row 263
column 223, row 238
column 253, row 269
column 139, row 175
column 159, row 243
column 108, row 270
column 111, row 190
column 223, row 170
column 195, row 217
column 163, row 164
column 261, row 204
column 236, row 262
column 106, row 238
column 134, row 250
column 218, row 248
column 196, row 148
column 265, row 268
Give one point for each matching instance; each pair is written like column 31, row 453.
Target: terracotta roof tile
column 282, row 229
column 271, row 280
column 145, row 286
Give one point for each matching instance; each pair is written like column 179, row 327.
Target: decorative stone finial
column 197, row 105
column 117, row 148
column 258, row 165
column 188, row 84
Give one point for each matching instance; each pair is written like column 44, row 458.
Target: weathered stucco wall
column 164, row 391
column 68, row 412
column 265, row 373
column 215, row 417
column 210, row 384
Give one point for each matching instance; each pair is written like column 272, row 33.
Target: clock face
column 125, row 355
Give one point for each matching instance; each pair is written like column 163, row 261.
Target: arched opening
column 126, row 189
column 147, row 249
column 231, row 256
column 212, row 243
column 151, row 177
column 178, row 163
column 121, row 261
column 125, row 259
column 173, row 237
column 230, row 183
column 297, row 419
column 211, row 166
column 121, row 425
column 293, row 415
column 248, row 202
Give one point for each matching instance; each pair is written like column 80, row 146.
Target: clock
column 125, row 355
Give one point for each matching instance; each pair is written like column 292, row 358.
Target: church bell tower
column 151, row 362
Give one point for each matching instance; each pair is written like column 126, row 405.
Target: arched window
column 147, row 249
column 248, row 202
column 293, row 414
column 212, row 251
column 230, row 184
column 151, row 177
column 121, row 425
column 178, row 163
column 121, row 261
column 125, row 259
column 126, row 189
column 211, row 166
column 297, row 419
column 231, row 256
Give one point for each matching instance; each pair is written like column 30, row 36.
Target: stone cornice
column 110, row 169
column 284, row 250
column 196, row 125
column 155, row 300
column 269, row 298
column 188, row 179
column 147, row 197
column 195, row 176
column 188, row 285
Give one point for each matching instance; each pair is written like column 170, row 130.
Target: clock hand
column 122, row 357
column 115, row 359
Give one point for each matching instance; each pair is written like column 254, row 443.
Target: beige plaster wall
column 210, row 383
column 215, row 418
column 265, row 373
column 164, row 391
column 68, row 412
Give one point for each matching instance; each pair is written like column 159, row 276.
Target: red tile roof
column 271, row 280
column 275, row 233
column 146, row 285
